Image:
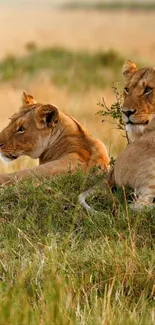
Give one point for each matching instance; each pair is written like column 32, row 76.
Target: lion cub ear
column 128, row 69
column 47, row 116
column 27, row 99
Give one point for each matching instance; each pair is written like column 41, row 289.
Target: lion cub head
column 29, row 130
column 139, row 98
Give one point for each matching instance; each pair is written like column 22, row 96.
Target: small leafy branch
column 114, row 111
column 112, row 162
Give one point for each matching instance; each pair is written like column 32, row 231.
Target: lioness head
column 139, row 98
column 29, row 130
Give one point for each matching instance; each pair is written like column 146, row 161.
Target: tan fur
column 135, row 167
column 138, row 102
column 58, row 140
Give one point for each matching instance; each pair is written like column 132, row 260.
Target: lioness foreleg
column 63, row 165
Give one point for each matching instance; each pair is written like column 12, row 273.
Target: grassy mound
column 61, row 266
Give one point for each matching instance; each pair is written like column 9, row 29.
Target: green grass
column 74, row 70
column 112, row 5
column 61, row 266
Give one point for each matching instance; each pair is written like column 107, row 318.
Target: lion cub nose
column 128, row 113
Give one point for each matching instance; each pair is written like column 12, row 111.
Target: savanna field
column 58, row 264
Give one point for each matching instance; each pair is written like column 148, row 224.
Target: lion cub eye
column 126, row 90
column 147, row 90
column 21, row 129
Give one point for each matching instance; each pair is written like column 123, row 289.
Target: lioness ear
column 27, row 99
column 47, row 116
column 129, row 68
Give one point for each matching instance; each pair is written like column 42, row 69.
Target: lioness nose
column 128, row 113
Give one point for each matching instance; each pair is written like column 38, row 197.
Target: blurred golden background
column 70, row 54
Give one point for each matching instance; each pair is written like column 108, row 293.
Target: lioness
column 139, row 98
column 135, row 166
column 58, row 140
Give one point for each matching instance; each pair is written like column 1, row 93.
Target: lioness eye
column 126, row 90
column 21, row 129
column 148, row 90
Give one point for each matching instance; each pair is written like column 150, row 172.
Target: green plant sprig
column 114, row 111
